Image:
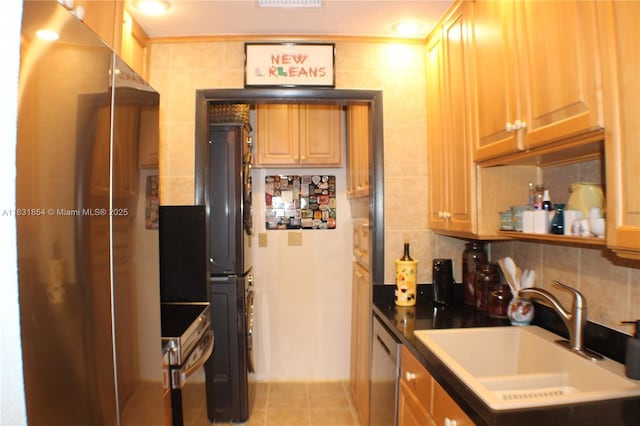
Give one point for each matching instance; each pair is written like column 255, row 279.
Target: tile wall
column 178, row 69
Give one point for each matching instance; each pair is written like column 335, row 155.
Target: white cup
column 595, row 213
column 570, row 216
column 597, row 226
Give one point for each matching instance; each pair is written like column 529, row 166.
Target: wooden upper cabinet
column 495, row 69
column 358, row 151
column 620, row 32
column 436, row 133
column 450, row 125
column 561, row 58
column 537, row 74
column 289, row 135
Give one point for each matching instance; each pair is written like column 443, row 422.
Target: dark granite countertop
column 401, row 321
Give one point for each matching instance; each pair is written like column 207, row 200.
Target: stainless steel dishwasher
column 385, row 373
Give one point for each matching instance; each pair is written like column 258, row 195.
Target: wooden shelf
column 552, row 238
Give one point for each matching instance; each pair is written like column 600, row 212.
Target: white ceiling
column 373, row 18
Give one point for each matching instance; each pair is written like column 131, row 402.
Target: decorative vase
column 406, row 279
column 520, row 311
column 585, row 196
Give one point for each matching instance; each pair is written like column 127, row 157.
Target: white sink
column 520, row 367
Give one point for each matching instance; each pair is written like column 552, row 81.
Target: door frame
column 373, row 98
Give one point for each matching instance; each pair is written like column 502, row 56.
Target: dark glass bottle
column 499, row 298
column 406, row 257
column 473, row 255
column 486, row 277
column 557, row 225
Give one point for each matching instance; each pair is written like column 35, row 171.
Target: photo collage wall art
column 300, row 202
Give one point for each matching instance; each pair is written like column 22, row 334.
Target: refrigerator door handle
column 223, row 278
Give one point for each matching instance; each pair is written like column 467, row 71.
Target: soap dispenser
column 632, row 356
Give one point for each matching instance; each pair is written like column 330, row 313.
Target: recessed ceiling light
column 289, row 3
column 152, row 7
column 408, row 28
column 48, row 35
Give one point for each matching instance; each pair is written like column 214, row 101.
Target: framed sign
column 289, row 64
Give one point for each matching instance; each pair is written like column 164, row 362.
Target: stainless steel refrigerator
column 228, row 201
column 80, row 220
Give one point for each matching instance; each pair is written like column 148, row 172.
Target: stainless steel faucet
column 574, row 319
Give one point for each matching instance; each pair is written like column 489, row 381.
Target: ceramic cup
column 520, row 311
column 597, row 226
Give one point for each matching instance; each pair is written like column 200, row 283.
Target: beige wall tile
column 405, row 150
column 405, row 203
column 606, row 281
column 180, row 149
column 606, row 287
column 177, row 190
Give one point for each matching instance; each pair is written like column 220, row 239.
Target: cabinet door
column 559, row 57
column 357, row 151
column 494, row 43
column 277, row 135
column 621, row 67
column 445, row 408
column 320, row 135
column 410, row 411
column 450, row 124
column 438, row 182
column 361, row 342
column 459, row 119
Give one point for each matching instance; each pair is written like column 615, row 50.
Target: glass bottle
column 557, row 225
column 486, row 277
column 473, row 255
column 538, row 197
column 406, row 257
column 499, row 298
column 546, row 201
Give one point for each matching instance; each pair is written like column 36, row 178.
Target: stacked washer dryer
column 228, row 200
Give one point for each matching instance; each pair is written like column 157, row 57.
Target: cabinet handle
column 509, row 127
column 409, row 376
column 519, row 125
column 450, row 422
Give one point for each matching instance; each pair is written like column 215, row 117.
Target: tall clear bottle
column 474, row 255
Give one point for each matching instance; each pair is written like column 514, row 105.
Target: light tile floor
column 270, row 404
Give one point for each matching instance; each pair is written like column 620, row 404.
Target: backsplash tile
column 611, row 285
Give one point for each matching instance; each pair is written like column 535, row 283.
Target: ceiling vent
column 289, row 3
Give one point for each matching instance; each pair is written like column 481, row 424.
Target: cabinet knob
column 509, row 127
column 450, row 422
column 519, row 125
column 409, row 376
